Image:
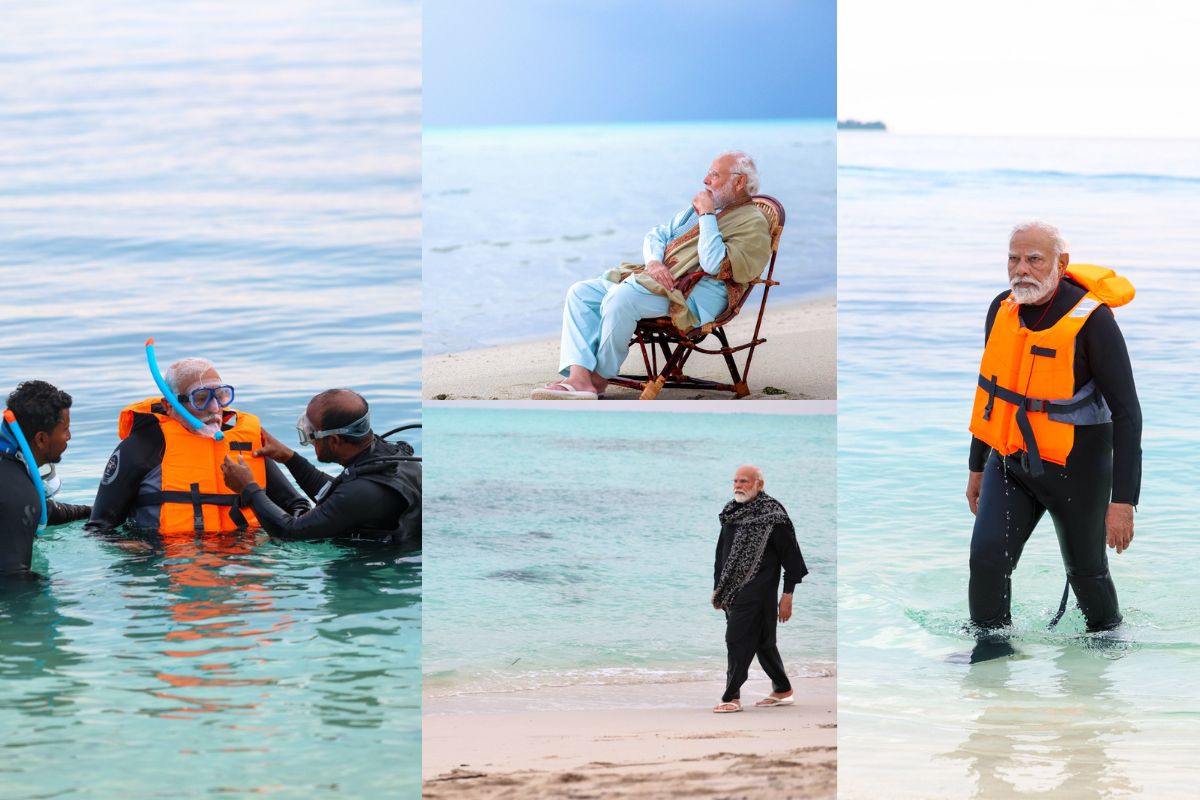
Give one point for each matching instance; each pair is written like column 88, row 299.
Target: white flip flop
column 564, row 391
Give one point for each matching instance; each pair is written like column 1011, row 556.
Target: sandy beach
column 631, row 741
column 797, row 362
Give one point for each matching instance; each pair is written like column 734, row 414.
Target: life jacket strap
column 197, row 500
column 1031, row 459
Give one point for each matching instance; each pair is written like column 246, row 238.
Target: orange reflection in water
column 216, row 595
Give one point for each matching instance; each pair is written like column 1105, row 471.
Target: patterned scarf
column 753, row 523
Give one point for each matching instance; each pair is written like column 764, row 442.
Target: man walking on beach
column 1057, row 409
column 756, row 544
column 695, row 266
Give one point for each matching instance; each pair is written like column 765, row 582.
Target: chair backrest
column 772, row 209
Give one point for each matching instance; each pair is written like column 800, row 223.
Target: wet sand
column 631, row 741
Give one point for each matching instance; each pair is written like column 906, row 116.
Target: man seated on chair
column 696, row 265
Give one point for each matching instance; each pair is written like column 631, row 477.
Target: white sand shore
column 632, row 741
column 799, row 360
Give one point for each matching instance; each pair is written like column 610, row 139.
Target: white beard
column 743, row 497
column 1029, row 295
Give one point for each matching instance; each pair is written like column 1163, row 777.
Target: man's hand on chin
column 703, row 202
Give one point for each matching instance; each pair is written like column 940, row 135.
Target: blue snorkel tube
column 169, row 396
column 10, row 420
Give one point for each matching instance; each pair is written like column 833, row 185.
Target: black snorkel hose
column 406, row 427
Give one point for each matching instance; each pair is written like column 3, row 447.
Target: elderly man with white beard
column 695, row 266
column 1056, row 428
column 757, row 544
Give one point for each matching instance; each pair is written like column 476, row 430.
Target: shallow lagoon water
column 923, row 227
column 241, row 183
column 575, row 549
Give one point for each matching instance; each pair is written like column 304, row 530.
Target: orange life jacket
column 1026, row 398
column 193, row 496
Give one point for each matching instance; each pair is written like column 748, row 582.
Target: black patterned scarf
column 754, row 521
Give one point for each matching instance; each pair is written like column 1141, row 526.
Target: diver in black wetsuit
column 43, row 412
column 756, row 544
column 1091, row 499
column 377, row 497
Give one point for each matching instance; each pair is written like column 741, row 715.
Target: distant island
column 855, row 125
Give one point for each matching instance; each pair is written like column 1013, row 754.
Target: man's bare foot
column 728, row 708
column 777, row 699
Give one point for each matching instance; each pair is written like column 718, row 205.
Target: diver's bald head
column 336, row 408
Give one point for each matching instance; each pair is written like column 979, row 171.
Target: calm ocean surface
column 242, row 183
column 576, row 548
column 923, row 232
column 515, row 215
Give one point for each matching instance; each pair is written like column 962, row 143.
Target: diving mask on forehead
column 360, row 427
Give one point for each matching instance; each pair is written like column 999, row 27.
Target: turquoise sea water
column 240, row 182
column 576, row 548
column 515, row 215
column 923, row 235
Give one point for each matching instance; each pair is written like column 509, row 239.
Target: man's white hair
column 1060, row 243
column 186, row 372
column 744, row 164
column 758, row 476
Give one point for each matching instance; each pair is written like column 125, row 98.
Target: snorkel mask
column 360, row 427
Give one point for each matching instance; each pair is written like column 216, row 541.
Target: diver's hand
column 274, row 449
column 660, row 273
column 785, row 608
column 1118, row 523
column 974, row 485
column 703, row 202
column 237, row 476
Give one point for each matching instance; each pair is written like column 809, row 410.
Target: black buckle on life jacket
column 987, row 410
column 1037, row 405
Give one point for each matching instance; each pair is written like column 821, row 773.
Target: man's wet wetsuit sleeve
column 351, row 505
column 310, row 479
column 783, row 540
column 127, row 466
column 282, row 493
column 1108, row 359
column 59, row 513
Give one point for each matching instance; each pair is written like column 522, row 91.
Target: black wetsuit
column 375, row 498
column 141, row 452
column 1104, row 459
column 20, row 512
column 752, row 617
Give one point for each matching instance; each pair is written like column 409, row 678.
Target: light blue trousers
column 598, row 319
column 600, row 316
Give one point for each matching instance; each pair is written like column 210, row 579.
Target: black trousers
column 750, row 631
column 1010, row 506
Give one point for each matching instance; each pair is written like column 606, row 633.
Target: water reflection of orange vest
column 1026, row 398
column 192, row 495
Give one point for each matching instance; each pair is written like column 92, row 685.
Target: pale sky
column 1019, row 67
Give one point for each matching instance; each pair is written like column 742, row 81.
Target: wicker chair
column 660, row 335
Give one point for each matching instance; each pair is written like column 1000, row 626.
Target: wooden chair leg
column 653, row 388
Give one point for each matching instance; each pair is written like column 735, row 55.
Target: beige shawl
column 747, row 239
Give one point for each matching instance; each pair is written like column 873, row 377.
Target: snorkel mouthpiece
column 196, row 425
column 10, row 419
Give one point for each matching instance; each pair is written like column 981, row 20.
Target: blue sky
column 577, row 61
